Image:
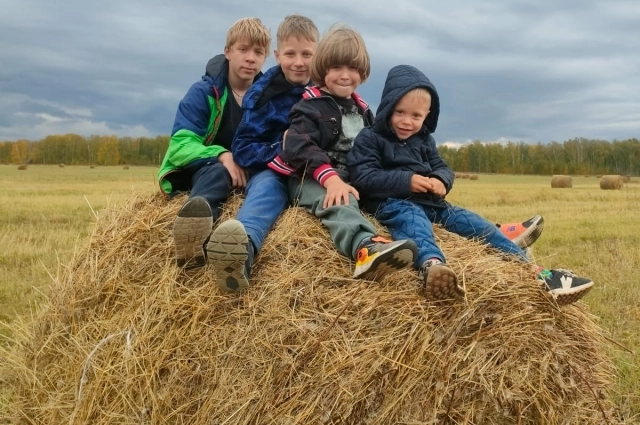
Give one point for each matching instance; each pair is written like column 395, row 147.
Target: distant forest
column 575, row 156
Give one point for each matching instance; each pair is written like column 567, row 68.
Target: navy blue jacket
column 381, row 165
column 266, row 107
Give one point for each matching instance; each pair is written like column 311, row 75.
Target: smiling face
column 342, row 80
column 245, row 60
column 409, row 114
column 294, row 56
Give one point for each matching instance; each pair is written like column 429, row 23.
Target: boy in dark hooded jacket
column 396, row 167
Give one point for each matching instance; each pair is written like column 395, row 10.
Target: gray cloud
column 544, row 70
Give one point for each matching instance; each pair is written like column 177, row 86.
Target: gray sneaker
column 231, row 253
column 440, row 282
column 190, row 232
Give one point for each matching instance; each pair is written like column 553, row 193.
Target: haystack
column 22, row 167
column 611, row 182
column 61, row 165
column 560, row 181
column 626, row 179
column 474, row 177
column 465, row 176
column 125, row 167
column 128, row 338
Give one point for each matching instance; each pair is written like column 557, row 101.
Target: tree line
column 575, row 156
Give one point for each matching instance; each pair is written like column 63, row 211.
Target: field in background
column 46, row 210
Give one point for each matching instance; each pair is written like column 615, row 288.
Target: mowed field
column 46, row 211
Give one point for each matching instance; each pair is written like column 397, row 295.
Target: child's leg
column 234, row 243
column 211, row 185
column 352, row 234
column 407, row 220
column 471, row 225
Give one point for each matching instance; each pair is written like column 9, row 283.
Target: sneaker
column 523, row 234
column 564, row 286
column 377, row 256
column 440, row 282
column 231, row 253
column 190, row 232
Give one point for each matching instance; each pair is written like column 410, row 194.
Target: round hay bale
column 464, row 176
column 457, row 175
column 626, row 179
column 92, row 166
column 611, row 182
column 22, row 167
column 128, row 335
column 474, row 177
column 125, row 167
column 560, row 181
column 61, row 165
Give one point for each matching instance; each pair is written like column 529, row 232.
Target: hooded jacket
column 196, row 125
column 266, row 108
column 381, row 165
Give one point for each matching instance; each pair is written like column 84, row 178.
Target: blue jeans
column 266, row 196
column 409, row 220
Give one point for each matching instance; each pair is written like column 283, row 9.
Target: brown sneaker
column 440, row 282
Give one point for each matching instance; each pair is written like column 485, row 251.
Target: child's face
column 245, row 59
column 342, row 80
column 294, row 56
column 409, row 115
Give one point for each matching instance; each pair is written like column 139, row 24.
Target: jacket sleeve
column 249, row 147
column 192, row 124
column 365, row 165
column 301, row 147
column 439, row 168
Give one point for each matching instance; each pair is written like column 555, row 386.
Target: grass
column 46, row 210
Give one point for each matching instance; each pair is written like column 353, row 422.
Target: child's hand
column 338, row 192
column 437, row 186
column 237, row 173
column 420, row 184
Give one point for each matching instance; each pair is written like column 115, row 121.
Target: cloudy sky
column 530, row 70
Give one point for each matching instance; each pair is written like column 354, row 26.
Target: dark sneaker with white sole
column 523, row 234
column 190, row 232
column 231, row 253
column 564, row 286
column 377, row 256
column 440, row 282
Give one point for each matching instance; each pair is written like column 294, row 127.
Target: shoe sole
column 190, row 232
column 441, row 283
column 571, row 295
column 227, row 251
column 529, row 236
column 396, row 259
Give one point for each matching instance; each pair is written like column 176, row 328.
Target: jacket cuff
column 277, row 164
column 323, row 172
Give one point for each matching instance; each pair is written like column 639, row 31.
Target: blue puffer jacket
column 381, row 165
column 266, row 108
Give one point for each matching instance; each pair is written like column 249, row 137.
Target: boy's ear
column 276, row 55
column 226, row 52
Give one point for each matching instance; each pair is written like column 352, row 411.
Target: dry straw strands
column 560, row 181
column 612, row 182
column 129, row 338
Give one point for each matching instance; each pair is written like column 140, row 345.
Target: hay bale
column 61, row 165
column 465, row 176
column 599, row 176
column 474, row 177
column 22, row 167
column 458, row 175
column 127, row 335
column 125, row 167
column 611, row 182
column 626, row 179
column 560, row 181
column 92, row 166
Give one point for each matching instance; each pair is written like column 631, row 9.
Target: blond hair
column 251, row 30
column 341, row 45
column 297, row 26
column 419, row 93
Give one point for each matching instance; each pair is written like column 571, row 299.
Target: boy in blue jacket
column 403, row 181
column 234, row 244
